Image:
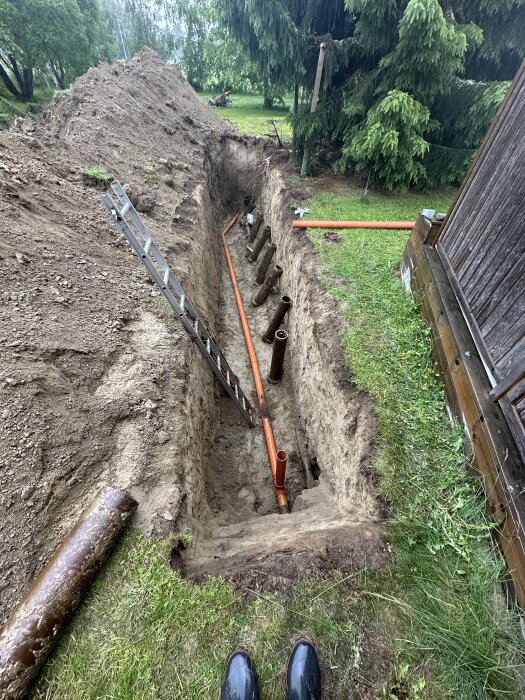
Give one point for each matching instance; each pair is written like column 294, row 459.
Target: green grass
column 147, row 633
column 445, row 581
column 249, row 115
column 11, row 107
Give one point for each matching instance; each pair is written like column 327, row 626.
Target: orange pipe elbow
column 391, row 225
column 259, row 388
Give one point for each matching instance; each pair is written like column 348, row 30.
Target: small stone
column 28, row 492
column 162, row 437
column 167, row 515
column 22, row 259
column 150, row 405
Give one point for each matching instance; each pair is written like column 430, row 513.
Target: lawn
column 147, row 633
column 249, row 115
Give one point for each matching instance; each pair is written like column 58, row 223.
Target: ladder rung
column 147, row 246
column 167, row 276
column 125, row 209
column 182, row 303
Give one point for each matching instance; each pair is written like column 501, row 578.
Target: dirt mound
column 91, row 364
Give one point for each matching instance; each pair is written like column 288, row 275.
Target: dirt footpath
column 91, row 363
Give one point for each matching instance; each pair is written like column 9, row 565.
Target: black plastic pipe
column 279, row 349
column 38, row 620
column 283, row 306
column 253, row 251
column 265, row 264
column 266, row 288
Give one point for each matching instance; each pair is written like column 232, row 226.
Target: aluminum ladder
column 125, row 219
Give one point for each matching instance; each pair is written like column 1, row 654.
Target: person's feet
column 240, row 679
column 303, row 675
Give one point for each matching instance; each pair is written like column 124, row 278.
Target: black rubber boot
column 303, row 675
column 240, row 679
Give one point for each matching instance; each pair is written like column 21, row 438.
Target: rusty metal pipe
column 266, row 288
column 265, row 264
column 254, row 250
column 391, row 225
column 279, row 349
column 253, row 229
column 283, row 306
column 280, row 493
column 38, row 620
column 280, row 474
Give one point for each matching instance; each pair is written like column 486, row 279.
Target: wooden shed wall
column 482, row 246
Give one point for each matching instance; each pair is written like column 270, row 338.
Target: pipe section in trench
column 280, row 491
column 390, row 225
column 36, row 623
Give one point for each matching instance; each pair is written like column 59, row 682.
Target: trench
column 326, row 427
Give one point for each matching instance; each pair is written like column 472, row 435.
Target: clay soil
column 98, row 382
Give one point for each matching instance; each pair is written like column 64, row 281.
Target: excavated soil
column 100, row 384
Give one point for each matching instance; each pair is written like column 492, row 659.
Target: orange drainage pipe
column 392, row 225
column 277, row 459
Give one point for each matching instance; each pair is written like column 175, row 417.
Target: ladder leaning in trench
column 124, row 218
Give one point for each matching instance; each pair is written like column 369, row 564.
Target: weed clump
column 96, row 177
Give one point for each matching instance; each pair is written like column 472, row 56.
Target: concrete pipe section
column 38, row 620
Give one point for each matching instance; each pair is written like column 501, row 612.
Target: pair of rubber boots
column 303, row 675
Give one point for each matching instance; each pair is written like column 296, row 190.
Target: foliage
column 211, row 58
column 65, row 36
column 444, row 584
column 419, row 47
column 139, row 23
column 389, row 144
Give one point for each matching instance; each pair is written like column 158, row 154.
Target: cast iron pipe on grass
column 38, row 620
column 392, row 225
column 284, row 305
column 259, row 388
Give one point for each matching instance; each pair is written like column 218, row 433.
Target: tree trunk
column 59, row 75
column 267, row 97
column 24, row 79
column 296, row 98
column 4, row 76
column 28, row 84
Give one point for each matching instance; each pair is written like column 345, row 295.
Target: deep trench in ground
column 318, row 417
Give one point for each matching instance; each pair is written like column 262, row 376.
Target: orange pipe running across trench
column 392, row 225
column 259, row 388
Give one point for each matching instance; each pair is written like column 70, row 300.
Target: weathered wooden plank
column 467, row 386
column 487, row 302
column 504, row 241
column 499, row 118
column 502, row 131
column 514, row 282
column 492, row 205
column 508, row 334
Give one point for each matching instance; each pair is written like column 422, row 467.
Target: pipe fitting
column 284, row 305
column 253, row 251
column 279, row 349
column 265, row 264
column 280, row 472
column 266, row 288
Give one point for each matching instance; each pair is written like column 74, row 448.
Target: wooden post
column 315, row 100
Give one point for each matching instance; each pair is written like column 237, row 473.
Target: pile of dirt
column 93, row 375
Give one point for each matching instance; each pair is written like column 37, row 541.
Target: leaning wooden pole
column 315, row 100
column 38, row 620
